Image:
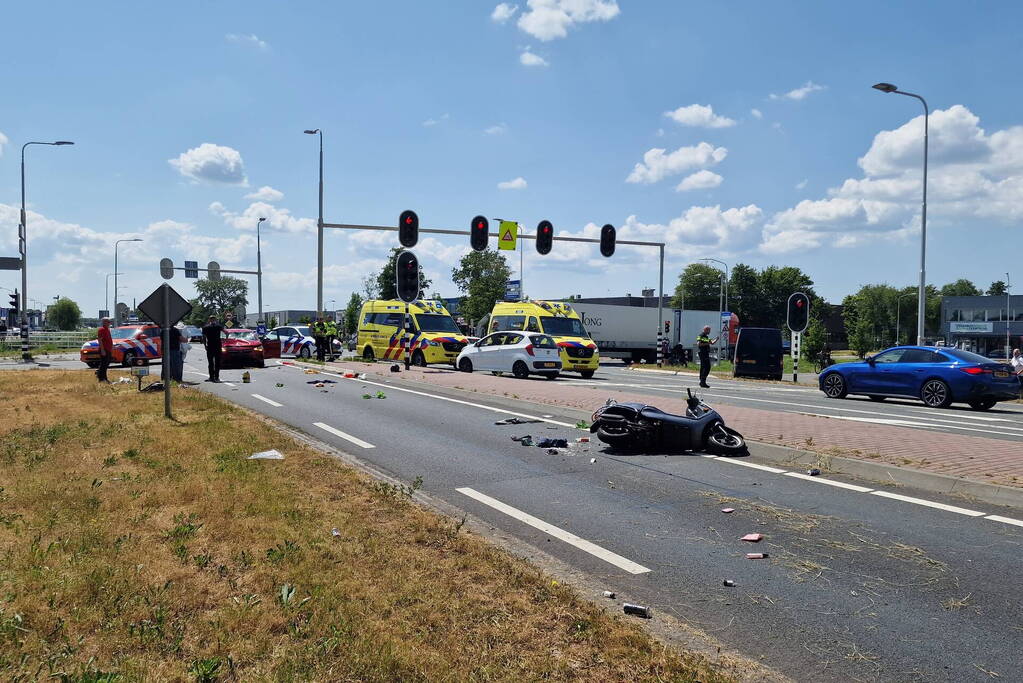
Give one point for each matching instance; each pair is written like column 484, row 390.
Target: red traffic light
column 408, row 228
column 479, row 233
column 799, row 303
column 544, row 237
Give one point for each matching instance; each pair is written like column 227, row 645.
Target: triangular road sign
column 176, row 309
column 508, row 235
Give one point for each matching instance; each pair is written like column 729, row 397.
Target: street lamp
column 922, row 294
column 132, row 239
column 23, row 243
column 106, row 294
column 319, row 231
column 1008, row 319
column 898, row 313
column 259, row 272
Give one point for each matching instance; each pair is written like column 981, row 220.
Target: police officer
column 331, row 328
column 320, row 337
column 703, row 344
column 212, row 336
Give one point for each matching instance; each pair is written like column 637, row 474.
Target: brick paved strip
column 974, row 457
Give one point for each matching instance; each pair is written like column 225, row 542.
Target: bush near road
column 152, row 549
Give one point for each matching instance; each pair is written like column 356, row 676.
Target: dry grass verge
column 142, row 549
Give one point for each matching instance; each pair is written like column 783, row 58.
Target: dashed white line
column 264, row 399
column 829, row 482
column 343, row 435
column 1005, row 520
column 230, row 384
column 556, row 532
column 756, row 466
column 928, row 503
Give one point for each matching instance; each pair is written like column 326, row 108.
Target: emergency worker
column 319, row 329
column 331, row 336
column 106, row 350
column 212, row 339
column 703, row 344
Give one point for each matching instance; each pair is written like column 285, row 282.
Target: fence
column 64, row 341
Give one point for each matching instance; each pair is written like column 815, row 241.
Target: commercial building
column 980, row 323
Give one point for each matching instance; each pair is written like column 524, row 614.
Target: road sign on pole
column 192, row 269
column 165, row 307
column 10, row 263
column 508, row 235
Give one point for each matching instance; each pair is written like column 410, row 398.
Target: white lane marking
column 829, row 482
column 347, row 437
column 1005, row 520
column 928, row 503
column 560, row 534
column 446, row 398
column 754, row 465
column 230, row 384
column 264, row 399
column 910, row 423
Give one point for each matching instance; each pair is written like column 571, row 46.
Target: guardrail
column 56, row 340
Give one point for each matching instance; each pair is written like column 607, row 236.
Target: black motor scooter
column 637, row 426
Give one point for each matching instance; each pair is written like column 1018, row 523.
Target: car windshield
column 966, row 356
column 304, row 331
column 563, row 327
column 247, row 335
column 123, row 332
column 433, row 322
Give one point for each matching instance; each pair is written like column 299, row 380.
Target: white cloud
column 799, row 93
column 213, row 163
column 434, row 122
column 527, row 58
column 699, row 115
column 955, row 137
column 550, row 19
column 251, row 40
column 266, row 194
column 503, row 12
column 499, row 129
column 3, row 141
column 801, row 184
column 516, row 184
column 757, row 114
column 657, row 165
column 701, row 180
column 276, row 218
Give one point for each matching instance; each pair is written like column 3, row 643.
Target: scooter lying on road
column 637, row 426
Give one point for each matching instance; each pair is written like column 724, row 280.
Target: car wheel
column 419, row 359
column 305, row 352
column 986, row 404
column 877, row 398
column 935, row 394
column 128, row 359
column 551, row 375
column 834, row 386
column 367, row 354
column 520, row 369
column 465, row 365
column 586, row 374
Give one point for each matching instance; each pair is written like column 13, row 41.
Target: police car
column 130, row 342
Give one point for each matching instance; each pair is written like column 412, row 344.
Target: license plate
column 749, row 361
column 239, row 350
column 1001, row 373
column 547, row 365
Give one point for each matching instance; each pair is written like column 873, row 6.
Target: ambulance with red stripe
column 554, row 318
column 433, row 335
column 130, row 342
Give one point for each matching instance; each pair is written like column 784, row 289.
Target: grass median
column 139, row 548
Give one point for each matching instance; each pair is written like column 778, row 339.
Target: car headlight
column 258, row 348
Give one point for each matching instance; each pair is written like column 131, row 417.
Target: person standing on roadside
column 212, row 339
column 106, row 350
column 172, row 356
column 1017, row 365
column 319, row 329
column 703, row 344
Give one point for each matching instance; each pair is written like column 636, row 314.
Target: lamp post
column 23, row 243
column 725, row 307
column 319, row 232
column 106, row 293
column 116, row 315
column 922, row 294
column 898, row 313
column 1008, row 319
column 259, row 273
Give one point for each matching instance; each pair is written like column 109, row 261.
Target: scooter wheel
column 616, row 438
column 725, row 441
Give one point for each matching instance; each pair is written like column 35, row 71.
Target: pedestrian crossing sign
column 508, row 235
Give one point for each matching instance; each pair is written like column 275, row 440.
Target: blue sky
column 741, row 131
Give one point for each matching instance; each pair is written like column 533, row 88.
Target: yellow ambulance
column 434, row 337
column 557, row 319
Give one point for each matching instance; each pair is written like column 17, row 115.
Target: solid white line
column 736, row 461
column 928, row 503
column 897, row 422
column 228, row 384
column 264, row 399
column 829, row 482
column 560, row 534
column 1005, row 520
column 348, row 437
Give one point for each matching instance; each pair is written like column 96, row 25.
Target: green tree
column 65, row 314
column 814, row 338
column 777, row 284
column 386, row 286
column 272, row 322
column 482, row 277
column 961, row 287
column 698, row 288
column 744, row 295
column 351, row 314
column 217, row 297
column 997, row 288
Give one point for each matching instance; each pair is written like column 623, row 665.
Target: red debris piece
column 752, row 538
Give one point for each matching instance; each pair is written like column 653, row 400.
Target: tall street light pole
column 106, row 294
column 23, row 244
column 1008, row 319
column 922, row 294
column 259, row 272
column 725, row 288
column 116, row 314
column 319, row 232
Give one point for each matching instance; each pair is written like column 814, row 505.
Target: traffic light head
column 798, row 315
column 479, row 233
column 544, row 237
column 408, row 229
column 14, row 302
column 406, row 276
column 667, row 326
column 607, row 240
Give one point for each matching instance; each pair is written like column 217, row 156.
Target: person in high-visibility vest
column 703, row 344
column 331, row 328
column 319, row 330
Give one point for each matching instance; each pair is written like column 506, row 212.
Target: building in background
column 978, row 323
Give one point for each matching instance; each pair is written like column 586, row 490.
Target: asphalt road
column 1004, row 421
column 858, row 585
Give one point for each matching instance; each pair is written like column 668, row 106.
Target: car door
column 272, row 344
column 488, row 352
column 289, row 341
column 509, row 351
column 881, row 375
column 920, row 364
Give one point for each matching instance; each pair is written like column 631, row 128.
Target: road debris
column 636, row 610
column 246, row 377
column 757, row 556
column 514, row 421
column 583, row 439
column 813, row 471
column 312, row 372
column 367, row 396
column 609, row 595
column 318, row 385
column 335, row 532
column 729, row 583
column 593, row 460
column 279, row 385
column 381, row 394
column 553, row 443
column 395, row 368
column 752, row 538
column 728, row 511
column 349, row 374
column 527, row 440
column 272, row 454
column 552, row 451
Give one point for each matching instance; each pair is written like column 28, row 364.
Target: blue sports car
column 937, row 376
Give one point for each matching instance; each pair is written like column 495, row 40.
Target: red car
column 242, row 347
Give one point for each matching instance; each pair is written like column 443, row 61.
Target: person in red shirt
column 106, row 350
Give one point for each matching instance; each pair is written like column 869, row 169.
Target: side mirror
column 869, row 360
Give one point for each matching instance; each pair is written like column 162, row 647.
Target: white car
column 521, row 354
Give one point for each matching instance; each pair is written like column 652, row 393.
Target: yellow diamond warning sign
column 508, row 235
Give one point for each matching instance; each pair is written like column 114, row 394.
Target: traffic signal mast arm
column 435, row 231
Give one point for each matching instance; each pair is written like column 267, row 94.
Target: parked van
column 434, row 336
column 758, row 353
column 577, row 350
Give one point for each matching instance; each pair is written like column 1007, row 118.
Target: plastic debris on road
column 813, row 471
column 367, row 396
column 637, row 610
column 319, row 385
column 593, row 460
column 312, row 372
column 756, row 556
column 123, row 380
column 609, row 594
column 527, row 440
column 272, row 454
column 728, row 511
column 728, row 582
column 514, row 421
column 381, row 394
column 584, row 439
column 335, row 532
column 349, row 374
column 553, row 443
column 752, row 538
column 395, row 368
column 552, row 451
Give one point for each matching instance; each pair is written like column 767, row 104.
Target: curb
column 995, row 494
